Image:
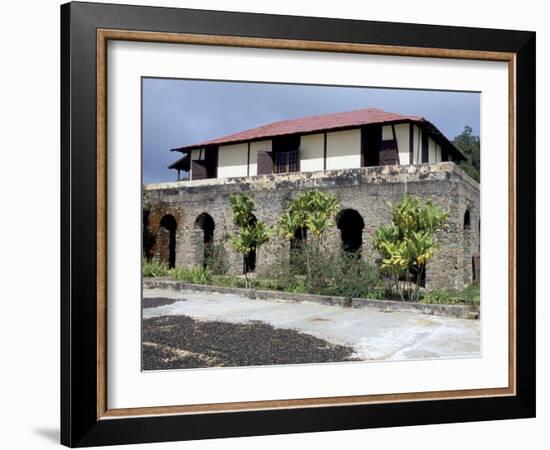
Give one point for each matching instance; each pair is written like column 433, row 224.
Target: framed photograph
column 276, row 224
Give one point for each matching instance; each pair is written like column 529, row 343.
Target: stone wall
column 366, row 190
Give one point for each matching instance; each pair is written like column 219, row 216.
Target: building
column 367, row 157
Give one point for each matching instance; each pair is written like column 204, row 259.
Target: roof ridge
column 314, row 116
column 307, row 124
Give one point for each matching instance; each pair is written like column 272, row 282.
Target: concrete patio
column 373, row 335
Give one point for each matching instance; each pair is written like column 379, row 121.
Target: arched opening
column 300, row 238
column 413, row 275
column 249, row 261
column 148, row 236
column 467, row 223
column 351, row 224
column 168, row 226
column 297, row 255
column 206, row 224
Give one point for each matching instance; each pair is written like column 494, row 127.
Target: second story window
column 206, row 166
column 286, row 155
column 287, row 162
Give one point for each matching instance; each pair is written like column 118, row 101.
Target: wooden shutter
column 198, row 170
column 388, row 153
column 265, row 162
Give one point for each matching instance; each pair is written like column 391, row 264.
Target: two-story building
column 367, row 158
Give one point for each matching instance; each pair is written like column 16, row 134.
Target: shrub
column 231, row 281
column 468, row 296
column 283, row 270
column 266, row 284
column 154, row 268
column 331, row 272
column 409, row 243
column 216, row 258
column 438, row 296
column 310, row 214
column 194, row 275
column 346, row 274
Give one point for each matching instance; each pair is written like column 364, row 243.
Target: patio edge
column 458, row 311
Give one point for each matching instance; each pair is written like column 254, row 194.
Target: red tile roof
column 308, row 125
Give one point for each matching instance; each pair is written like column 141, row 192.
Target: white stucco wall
column 255, row 147
column 311, row 152
column 196, row 154
column 387, row 133
column 431, row 150
column 403, row 142
column 417, row 145
column 437, row 153
column 344, row 149
column 232, row 160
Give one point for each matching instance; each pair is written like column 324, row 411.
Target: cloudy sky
column 183, row 112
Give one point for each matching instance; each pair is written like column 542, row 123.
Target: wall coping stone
column 378, row 174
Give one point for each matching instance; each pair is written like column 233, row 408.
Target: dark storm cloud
column 183, row 112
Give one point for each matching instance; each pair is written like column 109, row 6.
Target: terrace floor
column 345, row 333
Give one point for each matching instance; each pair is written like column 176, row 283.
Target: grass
column 468, row 296
column 153, row 268
column 297, row 285
column 194, row 275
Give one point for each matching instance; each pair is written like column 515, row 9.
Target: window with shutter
column 388, row 153
column 198, row 170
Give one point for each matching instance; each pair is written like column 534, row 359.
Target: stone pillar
column 468, row 273
column 446, row 269
column 270, row 253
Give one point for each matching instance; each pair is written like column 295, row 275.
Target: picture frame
column 86, row 418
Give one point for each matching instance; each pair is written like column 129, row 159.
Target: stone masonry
column 366, row 190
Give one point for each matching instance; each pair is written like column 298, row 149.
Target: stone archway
column 206, row 225
column 351, row 224
column 167, row 240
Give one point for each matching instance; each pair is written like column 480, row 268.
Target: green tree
column 313, row 213
column 251, row 234
column 409, row 243
column 468, row 144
